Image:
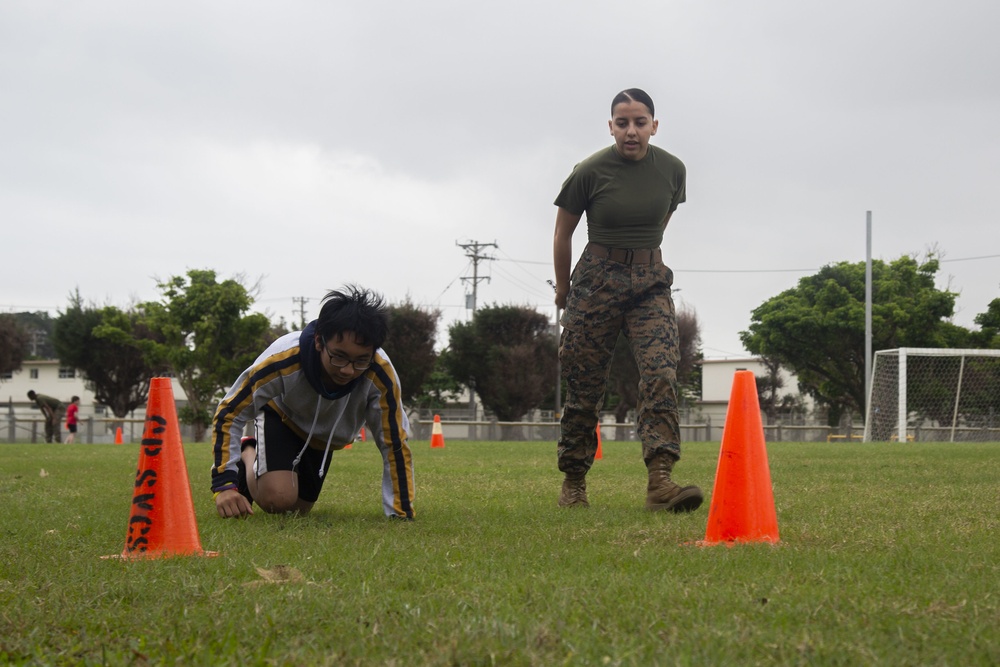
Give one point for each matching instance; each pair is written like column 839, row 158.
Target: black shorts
column 71, row 428
column 277, row 448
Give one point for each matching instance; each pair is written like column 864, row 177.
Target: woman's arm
column 562, row 252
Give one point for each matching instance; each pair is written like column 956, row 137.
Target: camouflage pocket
column 587, row 283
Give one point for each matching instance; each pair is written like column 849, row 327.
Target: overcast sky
column 310, row 144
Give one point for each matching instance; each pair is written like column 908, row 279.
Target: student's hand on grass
column 231, row 504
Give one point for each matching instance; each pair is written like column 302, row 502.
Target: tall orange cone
column 742, row 508
column 437, row 435
column 162, row 521
column 118, row 435
column 363, row 437
column 599, row 455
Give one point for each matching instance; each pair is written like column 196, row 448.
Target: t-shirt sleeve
column 573, row 194
column 680, row 182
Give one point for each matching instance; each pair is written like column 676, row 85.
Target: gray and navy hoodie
column 286, row 378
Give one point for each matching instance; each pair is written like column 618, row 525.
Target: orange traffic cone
column 162, row 521
column 742, row 508
column 437, row 435
column 118, row 435
column 599, row 455
column 363, row 437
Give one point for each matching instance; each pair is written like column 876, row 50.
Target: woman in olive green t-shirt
column 628, row 191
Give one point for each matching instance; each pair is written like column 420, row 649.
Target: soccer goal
column 934, row 395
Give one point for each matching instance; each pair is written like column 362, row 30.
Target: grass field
column 889, row 555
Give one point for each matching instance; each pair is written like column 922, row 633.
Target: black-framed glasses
column 338, row 360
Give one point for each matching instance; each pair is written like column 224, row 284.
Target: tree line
column 202, row 331
column 817, row 328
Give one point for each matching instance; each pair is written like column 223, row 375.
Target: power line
column 678, row 270
column 744, row 270
column 968, row 259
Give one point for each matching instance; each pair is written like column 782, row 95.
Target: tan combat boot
column 574, row 491
column 664, row 494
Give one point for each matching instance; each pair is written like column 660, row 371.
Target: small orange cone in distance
column 162, row 521
column 437, row 435
column 742, row 508
column 361, row 436
column 599, row 455
column 118, row 435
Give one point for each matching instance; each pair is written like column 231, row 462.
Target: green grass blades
column 888, row 556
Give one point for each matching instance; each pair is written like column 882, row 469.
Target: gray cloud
column 318, row 143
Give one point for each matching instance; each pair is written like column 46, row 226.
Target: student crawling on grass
column 309, row 394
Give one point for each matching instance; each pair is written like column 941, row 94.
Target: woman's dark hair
column 633, row 95
column 357, row 310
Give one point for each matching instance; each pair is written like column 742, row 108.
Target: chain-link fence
column 460, row 427
column 90, row 430
column 455, row 425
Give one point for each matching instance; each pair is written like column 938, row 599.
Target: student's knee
column 277, row 493
column 277, row 501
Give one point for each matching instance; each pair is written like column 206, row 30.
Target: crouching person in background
column 309, row 394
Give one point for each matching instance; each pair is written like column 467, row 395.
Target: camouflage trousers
column 608, row 297
column 53, row 428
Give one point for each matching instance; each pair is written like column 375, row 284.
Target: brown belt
column 625, row 255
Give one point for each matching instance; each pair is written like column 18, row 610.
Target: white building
column 49, row 378
column 717, row 383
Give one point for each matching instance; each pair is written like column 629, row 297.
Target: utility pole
column 868, row 309
column 302, row 301
column 473, row 251
column 38, row 338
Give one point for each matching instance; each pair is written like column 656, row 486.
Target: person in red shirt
column 72, row 419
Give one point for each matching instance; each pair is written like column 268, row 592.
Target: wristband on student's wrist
column 227, row 487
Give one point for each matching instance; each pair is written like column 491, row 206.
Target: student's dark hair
column 75, row 398
column 357, row 310
column 633, row 95
column 32, row 394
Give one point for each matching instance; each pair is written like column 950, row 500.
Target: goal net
column 934, row 395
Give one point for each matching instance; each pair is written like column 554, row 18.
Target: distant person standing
column 52, row 408
column 628, row 191
column 72, row 411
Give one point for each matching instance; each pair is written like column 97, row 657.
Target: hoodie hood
column 313, row 365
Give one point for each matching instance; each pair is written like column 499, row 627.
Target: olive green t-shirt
column 625, row 201
column 54, row 403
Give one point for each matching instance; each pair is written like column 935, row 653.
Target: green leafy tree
column 103, row 344
column 509, row 355
column 689, row 363
column 410, row 344
column 205, row 336
column 988, row 335
column 817, row 329
column 13, row 344
column 768, row 386
column 440, row 389
column 38, row 327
